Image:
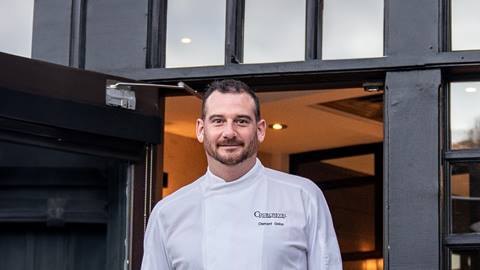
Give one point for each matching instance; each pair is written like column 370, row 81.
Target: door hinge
column 120, row 96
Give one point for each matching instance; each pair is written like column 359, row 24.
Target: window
column 465, row 25
column 351, row 180
column 352, row 29
column 274, row 31
column 462, row 171
column 16, row 24
column 465, row 115
column 195, row 33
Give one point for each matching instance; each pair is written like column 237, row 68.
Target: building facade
column 423, row 55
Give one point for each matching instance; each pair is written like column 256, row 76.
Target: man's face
column 229, row 132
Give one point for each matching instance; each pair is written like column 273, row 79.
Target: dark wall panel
column 51, row 31
column 116, row 34
column 411, row 27
column 412, row 170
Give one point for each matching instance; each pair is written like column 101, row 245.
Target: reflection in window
column 274, row 31
column 465, row 196
column 357, row 207
column 63, row 205
column 366, row 264
column 465, row 25
column 195, row 33
column 465, row 115
column 352, row 29
column 16, row 24
column 466, row 259
column 352, row 167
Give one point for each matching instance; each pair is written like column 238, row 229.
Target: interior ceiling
column 311, row 126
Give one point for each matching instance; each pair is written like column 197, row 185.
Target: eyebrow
column 244, row 116
column 215, row 116
column 221, row 116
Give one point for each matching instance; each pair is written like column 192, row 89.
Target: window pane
column 352, row 175
column 16, row 24
column 465, row 197
column 352, row 29
column 274, row 31
column 465, row 115
column 357, row 208
column 339, row 168
column 195, row 33
column 467, row 259
column 465, row 25
column 366, row 264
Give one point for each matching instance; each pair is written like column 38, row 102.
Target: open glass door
column 76, row 176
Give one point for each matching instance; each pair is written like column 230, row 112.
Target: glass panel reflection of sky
column 465, row 115
column 16, row 26
column 352, row 29
column 465, row 24
column 195, row 33
column 274, row 31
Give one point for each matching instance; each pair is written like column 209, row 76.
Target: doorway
column 343, row 128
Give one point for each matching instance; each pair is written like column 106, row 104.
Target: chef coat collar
column 213, row 182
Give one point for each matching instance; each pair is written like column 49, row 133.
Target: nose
column 229, row 130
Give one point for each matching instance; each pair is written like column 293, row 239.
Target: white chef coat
column 265, row 220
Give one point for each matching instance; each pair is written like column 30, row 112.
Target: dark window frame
column 234, row 33
column 447, row 23
column 453, row 241
column 377, row 181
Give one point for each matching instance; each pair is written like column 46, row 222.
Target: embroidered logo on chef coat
column 270, row 218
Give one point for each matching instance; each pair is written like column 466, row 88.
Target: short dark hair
column 230, row 86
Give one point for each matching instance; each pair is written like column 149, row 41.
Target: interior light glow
column 278, row 126
column 186, row 40
column 470, row 89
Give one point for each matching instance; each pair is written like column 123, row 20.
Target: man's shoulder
column 184, row 194
column 293, row 181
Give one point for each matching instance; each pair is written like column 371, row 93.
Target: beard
column 247, row 150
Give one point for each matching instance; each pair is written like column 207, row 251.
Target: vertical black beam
column 138, row 210
column 378, row 168
column 412, row 170
column 412, row 27
column 159, row 174
column 445, row 28
column 234, row 31
column 313, row 35
column 77, row 34
column 116, row 35
column 157, row 33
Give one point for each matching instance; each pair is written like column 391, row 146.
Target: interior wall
column 276, row 161
column 184, row 161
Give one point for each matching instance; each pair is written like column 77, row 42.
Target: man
column 240, row 215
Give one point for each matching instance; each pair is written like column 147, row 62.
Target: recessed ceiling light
column 470, row 89
column 277, row 126
column 186, row 40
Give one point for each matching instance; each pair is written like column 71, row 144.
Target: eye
column 217, row 121
column 243, row 122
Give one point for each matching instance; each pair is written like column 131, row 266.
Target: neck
column 233, row 172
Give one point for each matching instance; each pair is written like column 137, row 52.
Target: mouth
column 230, row 146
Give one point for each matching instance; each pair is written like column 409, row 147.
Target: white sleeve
column 323, row 251
column 154, row 250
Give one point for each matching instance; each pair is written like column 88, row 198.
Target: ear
column 199, row 129
column 261, row 129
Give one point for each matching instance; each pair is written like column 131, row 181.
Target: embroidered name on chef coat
column 266, row 217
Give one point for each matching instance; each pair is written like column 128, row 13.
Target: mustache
column 231, row 142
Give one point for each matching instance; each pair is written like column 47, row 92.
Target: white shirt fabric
column 265, row 220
